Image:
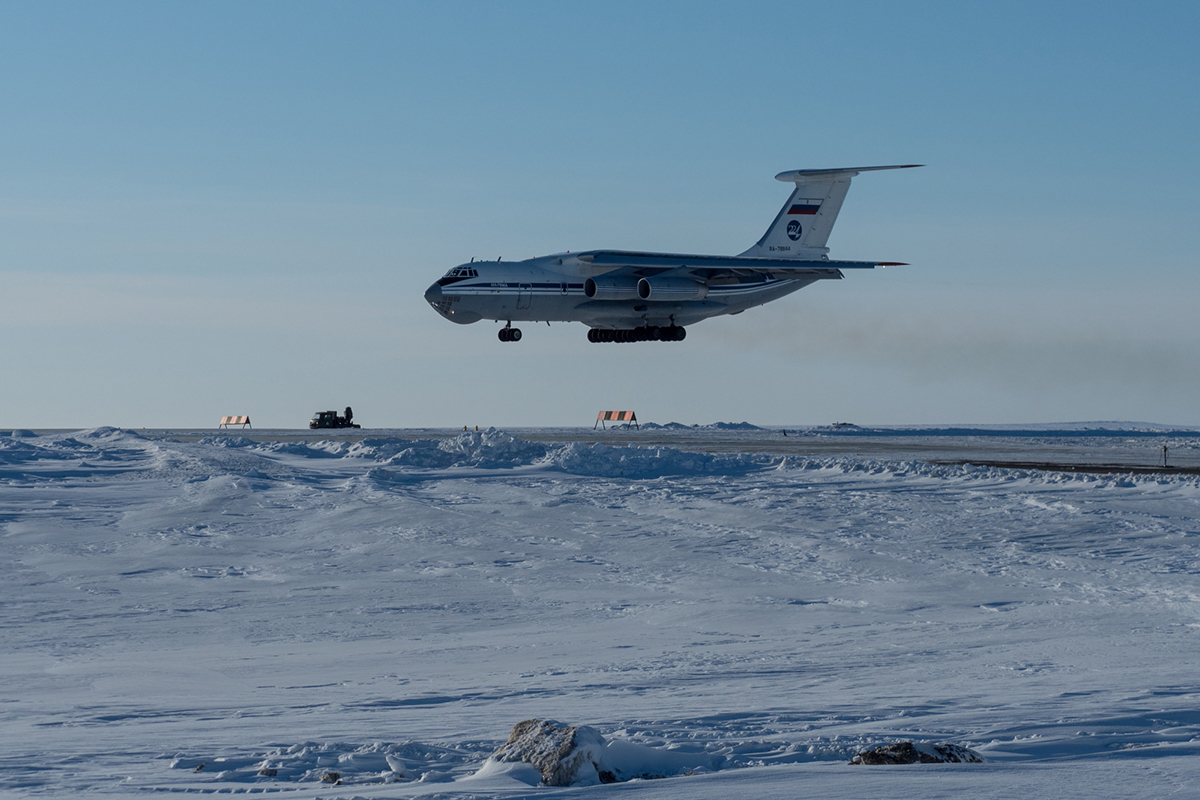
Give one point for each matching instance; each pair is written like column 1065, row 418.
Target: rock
column 909, row 753
column 563, row 754
column 332, row 777
column 268, row 772
column 199, row 767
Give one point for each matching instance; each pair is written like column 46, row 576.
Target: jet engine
column 668, row 289
column 603, row 288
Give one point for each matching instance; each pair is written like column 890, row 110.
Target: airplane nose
column 449, row 307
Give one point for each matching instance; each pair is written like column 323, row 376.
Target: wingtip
column 892, row 264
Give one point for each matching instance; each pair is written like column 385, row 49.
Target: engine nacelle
column 603, row 288
column 668, row 289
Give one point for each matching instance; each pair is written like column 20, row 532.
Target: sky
column 234, row 208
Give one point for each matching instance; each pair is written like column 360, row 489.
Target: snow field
column 351, row 607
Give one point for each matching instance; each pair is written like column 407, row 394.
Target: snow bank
column 395, row 459
column 64, row 455
column 908, row 469
column 498, row 450
column 603, row 460
column 490, row 449
column 376, row 762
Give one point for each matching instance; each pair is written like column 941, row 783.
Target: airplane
column 626, row 296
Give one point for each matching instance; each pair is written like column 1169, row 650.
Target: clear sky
column 234, row 208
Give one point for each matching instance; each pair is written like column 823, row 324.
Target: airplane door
column 524, row 294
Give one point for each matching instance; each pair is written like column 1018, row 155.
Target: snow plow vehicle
column 332, row 419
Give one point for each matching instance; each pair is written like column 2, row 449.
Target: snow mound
column 97, row 450
column 18, row 452
column 607, row 461
column 227, row 441
column 108, row 434
column 490, row 449
column 19, row 434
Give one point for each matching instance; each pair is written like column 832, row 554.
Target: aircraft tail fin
column 802, row 226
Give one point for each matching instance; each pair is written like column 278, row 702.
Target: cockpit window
column 458, row 274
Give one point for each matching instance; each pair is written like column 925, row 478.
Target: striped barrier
column 227, row 421
column 616, row 416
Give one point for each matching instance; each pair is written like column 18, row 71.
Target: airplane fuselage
column 555, row 289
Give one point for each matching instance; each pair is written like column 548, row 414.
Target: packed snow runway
column 389, row 607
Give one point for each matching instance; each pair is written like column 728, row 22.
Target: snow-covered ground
column 388, row 608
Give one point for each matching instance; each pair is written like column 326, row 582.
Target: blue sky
column 231, row 208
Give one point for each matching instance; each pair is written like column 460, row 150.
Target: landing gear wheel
column 514, row 335
column 503, row 334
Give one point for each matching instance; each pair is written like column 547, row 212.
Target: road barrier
column 616, row 416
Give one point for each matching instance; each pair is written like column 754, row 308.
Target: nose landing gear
column 510, row 334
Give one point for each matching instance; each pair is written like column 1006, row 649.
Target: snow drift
column 386, row 608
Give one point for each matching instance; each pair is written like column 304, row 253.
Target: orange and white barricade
column 616, row 416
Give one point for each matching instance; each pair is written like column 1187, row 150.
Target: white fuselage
column 552, row 289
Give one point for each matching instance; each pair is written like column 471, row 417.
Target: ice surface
column 388, row 607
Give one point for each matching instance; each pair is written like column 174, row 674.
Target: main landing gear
column 646, row 333
column 510, row 334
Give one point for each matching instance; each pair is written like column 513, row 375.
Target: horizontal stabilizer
column 804, row 175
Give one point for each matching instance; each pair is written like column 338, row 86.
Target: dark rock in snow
column 559, row 752
column 909, row 753
column 332, row 777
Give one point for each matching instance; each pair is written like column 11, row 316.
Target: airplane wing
column 707, row 267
